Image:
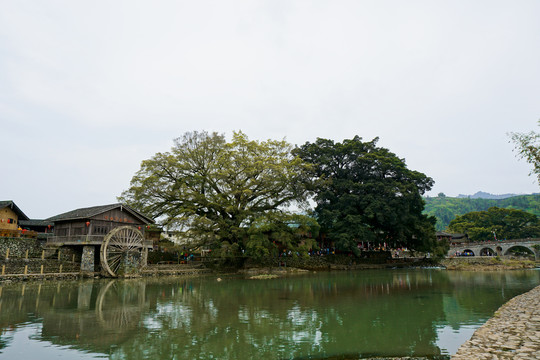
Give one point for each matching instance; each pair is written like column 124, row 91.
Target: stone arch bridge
column 499, row 248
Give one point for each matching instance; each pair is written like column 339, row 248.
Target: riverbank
column 512, row 333
column 27, row 270
column 487, row 264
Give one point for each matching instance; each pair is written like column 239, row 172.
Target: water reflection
column 383, row 313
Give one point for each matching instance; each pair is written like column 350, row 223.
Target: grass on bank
column 495, row 263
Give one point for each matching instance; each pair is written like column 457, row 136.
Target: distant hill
column 485, row 195
column 445, row 208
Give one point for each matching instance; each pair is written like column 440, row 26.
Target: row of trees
column 254, row 196
column 497, row 223
column 446, row 208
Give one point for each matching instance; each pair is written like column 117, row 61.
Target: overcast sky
column 89, row 89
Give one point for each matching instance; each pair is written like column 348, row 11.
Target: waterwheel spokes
column 121, row 246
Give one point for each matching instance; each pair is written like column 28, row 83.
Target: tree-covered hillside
column 445, row 209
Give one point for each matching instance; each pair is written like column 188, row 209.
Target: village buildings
column 10, row 217
column 111, row 237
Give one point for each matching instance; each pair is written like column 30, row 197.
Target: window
column 100, row 230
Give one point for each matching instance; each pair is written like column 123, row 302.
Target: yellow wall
column 5, row 214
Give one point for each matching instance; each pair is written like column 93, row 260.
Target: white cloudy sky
column 89, row 89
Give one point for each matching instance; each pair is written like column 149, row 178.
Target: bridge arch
column 487, row 251
column 468, row 252
column 500, row 248
column 520, row 250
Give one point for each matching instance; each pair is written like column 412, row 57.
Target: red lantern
column 88, row 223
column 139, row 228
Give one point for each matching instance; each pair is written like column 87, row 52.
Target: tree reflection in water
column 384, row 313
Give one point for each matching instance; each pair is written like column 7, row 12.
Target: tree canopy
column 226, row 194
column 496, row 222
column 366, row 193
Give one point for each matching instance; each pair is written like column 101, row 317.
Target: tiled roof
column 443, row 233
column 15, row 208
column 35, row 222
column 85, row 213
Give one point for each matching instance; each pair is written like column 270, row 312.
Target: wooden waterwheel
column 122, row 252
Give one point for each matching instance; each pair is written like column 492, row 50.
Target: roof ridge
column 90, row 211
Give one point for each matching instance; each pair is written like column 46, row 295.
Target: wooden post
column 59, row 251
column 7, row 253
column 26, row 254
column 41, row 270
column 25, row 269
column 3, row 269
column 42, row 254
column 73, row 258
column 60, row 269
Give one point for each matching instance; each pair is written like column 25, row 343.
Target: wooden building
column 118, row 230
column 91, row 224
column 10, row 216
column 41, row 228
column 452, row 239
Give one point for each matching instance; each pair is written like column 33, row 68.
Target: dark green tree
column 502, row 223
column 366, row 193
column 221, row 193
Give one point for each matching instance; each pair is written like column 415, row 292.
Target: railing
column 85, row 239
column 29, row 265
column 75, row 239
column 478, row 243
column 18, row 233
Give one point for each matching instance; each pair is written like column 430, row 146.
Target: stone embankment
column 176, row 269
column 512, row 333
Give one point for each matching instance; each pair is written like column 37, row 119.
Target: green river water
column 337, row 315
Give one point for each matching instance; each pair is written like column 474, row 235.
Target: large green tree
column 226, row 194
column 528, row 147
column 366, row 193
column 496, row 222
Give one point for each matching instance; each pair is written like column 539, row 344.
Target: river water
column 338, row 315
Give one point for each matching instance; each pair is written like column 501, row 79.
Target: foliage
column 220, row 192
column 445, row 209
column 502, row 223
column 366, row 193
column 528, row 148
column 278, row 232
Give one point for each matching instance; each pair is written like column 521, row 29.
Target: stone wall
column 64, row 259
column 18, row 246
column 33, row 266
column 328, row 262
column 512, row 333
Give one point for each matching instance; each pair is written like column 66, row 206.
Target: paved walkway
column 512, row 333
